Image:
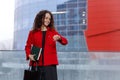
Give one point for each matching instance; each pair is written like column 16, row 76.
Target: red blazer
column 50, row 53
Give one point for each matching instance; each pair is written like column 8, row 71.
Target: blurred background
column 70, row 21
column 91, row 27
column 7, row 9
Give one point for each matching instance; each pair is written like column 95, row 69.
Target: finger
column 54, row 38
column 32, row 58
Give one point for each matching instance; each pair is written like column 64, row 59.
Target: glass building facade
column 70, row 20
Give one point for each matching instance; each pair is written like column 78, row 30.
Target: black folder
column 36, row 51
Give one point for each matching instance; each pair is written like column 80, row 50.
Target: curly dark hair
column 39, row 19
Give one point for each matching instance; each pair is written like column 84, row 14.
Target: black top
column 43, row 44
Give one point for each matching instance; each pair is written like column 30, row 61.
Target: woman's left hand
column 56, row 37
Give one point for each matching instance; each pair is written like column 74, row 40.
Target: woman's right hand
column 31, row 57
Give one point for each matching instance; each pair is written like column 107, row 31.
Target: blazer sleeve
column 63, row 40
column 28, row 45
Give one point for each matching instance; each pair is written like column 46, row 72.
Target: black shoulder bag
column 36, row 74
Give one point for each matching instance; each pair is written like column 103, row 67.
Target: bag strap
column 36, row 68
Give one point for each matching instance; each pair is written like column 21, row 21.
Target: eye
column 48, row 18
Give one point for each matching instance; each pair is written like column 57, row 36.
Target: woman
column 44, row 25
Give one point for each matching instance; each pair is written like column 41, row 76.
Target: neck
column 43, row 28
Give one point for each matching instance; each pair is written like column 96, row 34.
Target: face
column 47, row 19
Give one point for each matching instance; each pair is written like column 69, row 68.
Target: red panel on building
column 103, row 33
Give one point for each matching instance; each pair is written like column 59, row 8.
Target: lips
column 47, row 23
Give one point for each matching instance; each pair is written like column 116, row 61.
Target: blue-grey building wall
column 70, row 20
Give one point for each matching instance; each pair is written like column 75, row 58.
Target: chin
column 46, row 25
